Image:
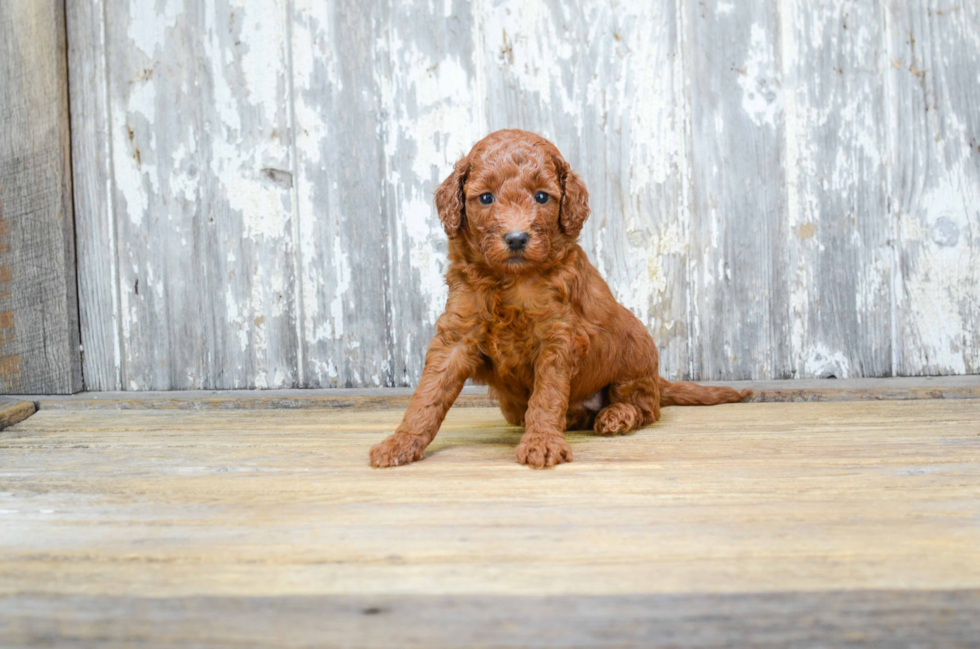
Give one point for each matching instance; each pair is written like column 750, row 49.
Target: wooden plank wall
column 780, row 188
column 39, row 335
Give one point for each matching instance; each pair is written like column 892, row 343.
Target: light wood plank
column 838, row 230
column 739, row 291
column 933, row 128
column 741, row 498
column 250, row 294
column 39, row 339
column 343, row 240
column 804, row 524
column 202, row 197
column 93, row 182
column 161, row 240
column 845, row 618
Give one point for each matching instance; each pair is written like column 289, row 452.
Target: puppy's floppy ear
column 574, row 205
column 450, row 199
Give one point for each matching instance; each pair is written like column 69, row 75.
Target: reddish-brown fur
column 540, row 327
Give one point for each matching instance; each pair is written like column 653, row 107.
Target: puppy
column 529, row 316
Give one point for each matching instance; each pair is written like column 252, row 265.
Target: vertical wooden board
column 92, row 181
column 251, row 230
column 340, row 185
column 933, row 129
column 158, row 165
column 839, row 233
column 200, row 143
column 432, row 99
column 605, row 83
column 39, row 341
column 740, row 293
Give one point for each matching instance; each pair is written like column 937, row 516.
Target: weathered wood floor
column 771, row 524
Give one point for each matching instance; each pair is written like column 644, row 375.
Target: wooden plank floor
column 788, row 523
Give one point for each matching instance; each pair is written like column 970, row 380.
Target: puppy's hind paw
column 617, row 419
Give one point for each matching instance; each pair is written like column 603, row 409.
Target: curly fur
column 540, row 327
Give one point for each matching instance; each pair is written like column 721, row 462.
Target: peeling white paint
column 944, row 290
column 652, row 282
column 342, row 283
column 250, row 191
column 794, row 136
column 263, row 29
column 656, row 136
column 149, row 23
column 529, row 44
column 143, row 100
column 434, row 115
column 761, row 90
column 415, row 238
column 822, row 362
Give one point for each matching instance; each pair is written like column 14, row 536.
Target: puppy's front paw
column 539, row 450
column 400, row 448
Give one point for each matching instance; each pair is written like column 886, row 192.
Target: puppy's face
column 513, row 201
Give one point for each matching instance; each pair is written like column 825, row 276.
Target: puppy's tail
column 685, row 393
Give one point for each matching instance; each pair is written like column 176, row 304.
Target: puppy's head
column 514, row 201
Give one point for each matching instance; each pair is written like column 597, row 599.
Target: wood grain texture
column 769, row 193
column 837, row 230
column 200, row 131
column 739, row 293
column 933, row 128
column 741, row 498
column 92, row 182
column 838, row 619
column 429, row 75
column 890, row 389
column 125, row 521
column 13, row 411
column 39, row 336
column 342, row 241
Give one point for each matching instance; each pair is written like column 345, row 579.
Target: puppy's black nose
column 516, row 240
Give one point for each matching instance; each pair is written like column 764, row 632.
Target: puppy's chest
column 517, row 325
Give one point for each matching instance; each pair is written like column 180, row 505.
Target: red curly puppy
column 529, row 316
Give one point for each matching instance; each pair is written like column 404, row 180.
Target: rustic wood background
column 782, row 188
column 39, row 335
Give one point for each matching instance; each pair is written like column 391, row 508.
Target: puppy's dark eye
column 487, row 198
column 541, row 197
